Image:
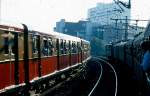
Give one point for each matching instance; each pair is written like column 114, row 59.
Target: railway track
column 107, row 82
column 65, row 87
column 98, row 79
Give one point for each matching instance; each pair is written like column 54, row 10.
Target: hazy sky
column 43, row 14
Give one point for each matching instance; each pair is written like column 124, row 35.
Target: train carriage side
column 26, row 55
column 74, row 53
column 134, row 52
column 130, row 55
column 118, row 51
column 44, row 53
column 122, row 53
column 115, row 50
column 137, row 51
column 11, row 55
column 109, row 50
column 68, row 50
column 62, row 53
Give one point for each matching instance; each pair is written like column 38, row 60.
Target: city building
column 103, row 13
column 110, row 18
column 72, row 28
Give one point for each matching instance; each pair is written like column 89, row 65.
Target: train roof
column 18, row 27
column 85, row 41
column 120, row 43
column 65, row 36
column 11, row 26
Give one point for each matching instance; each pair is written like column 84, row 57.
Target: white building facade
column 103, row 13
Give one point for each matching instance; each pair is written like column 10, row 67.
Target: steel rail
column 116, row 90
column 100, row 76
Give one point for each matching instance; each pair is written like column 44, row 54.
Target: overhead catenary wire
column 126, row 5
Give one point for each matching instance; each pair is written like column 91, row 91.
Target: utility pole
column 126, row 24
column 136, row 24
column 126, row 28
column 116, row 21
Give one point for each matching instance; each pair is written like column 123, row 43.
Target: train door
column 44, row 55
column 33, row 56
column 81, row 51
column 7, row 53
column 21, row 70
column 58, row 52
column 49, row 59
column 51, row 47
column 65, row 53
column 74, row 52
column 78, row 52
column 52, row 58
column 61, row 55
column 69, row 52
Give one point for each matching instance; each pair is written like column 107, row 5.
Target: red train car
column 28, row 55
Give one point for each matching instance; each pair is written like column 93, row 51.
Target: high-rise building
column 107, row 16
column 104, row 12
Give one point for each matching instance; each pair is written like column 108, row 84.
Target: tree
column 97, row 47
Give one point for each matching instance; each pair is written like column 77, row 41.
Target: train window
column 79, row 47
column 8, row 43
column 50, row 47
column 65, row 47
column 35, row 45
column 61, row 47
column 45, row 47
column 54, row 41
column 85, row 47
column 74, row 49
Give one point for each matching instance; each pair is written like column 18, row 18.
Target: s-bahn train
column 27, row 55
column 129, row 52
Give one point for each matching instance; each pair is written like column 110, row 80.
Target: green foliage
column 97, row 47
